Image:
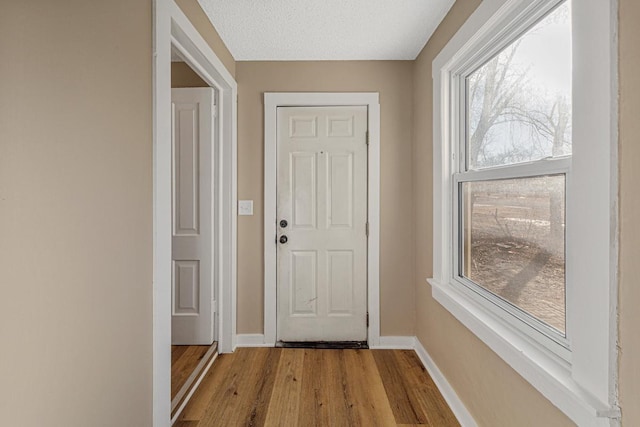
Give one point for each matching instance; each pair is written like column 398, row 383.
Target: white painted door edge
column 171, row 28
column 271, row 102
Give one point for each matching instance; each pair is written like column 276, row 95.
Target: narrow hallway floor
column 303, row 387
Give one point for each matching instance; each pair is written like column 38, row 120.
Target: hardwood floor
column 302, row 387
column 187, row 362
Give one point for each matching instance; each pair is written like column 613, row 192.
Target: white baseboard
column 395, row 343
column 252, row 340
column 459, row 410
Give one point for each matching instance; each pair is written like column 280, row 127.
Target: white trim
column 395, row 343
column 550, row 378
column 584, row 386
column 560, row 165
column 173, row 28
column 186, row 400
column 271, row 102
column 252, row 340
column 457, row 407
column 161, row 214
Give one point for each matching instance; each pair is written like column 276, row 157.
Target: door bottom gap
column 324, row 345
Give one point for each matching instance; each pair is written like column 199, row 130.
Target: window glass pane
column 513, row 242
column 519, row 103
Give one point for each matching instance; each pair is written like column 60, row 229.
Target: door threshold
column 325, row 345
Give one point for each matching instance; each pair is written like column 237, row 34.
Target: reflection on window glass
column 513, row 242
column 519, row 103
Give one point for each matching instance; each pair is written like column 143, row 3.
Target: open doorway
column 194, row 308
column 175, row 36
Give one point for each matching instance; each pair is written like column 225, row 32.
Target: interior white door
column 193, row 296
column 322, row 224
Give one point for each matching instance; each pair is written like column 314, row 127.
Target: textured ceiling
column 262, row 30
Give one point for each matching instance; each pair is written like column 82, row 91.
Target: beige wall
column 629, row 212
column 75, row 213
column 494, row 393
column 393, row 81
column 199, row 19
column 183, row 76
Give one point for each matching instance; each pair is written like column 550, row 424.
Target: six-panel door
column 192, row 310
column 322, row 196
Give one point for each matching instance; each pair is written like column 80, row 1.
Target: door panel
column 193, row 304
column 303, row 189
column 187, row 287
column 341, row 270
column 186, row 151
column 340, row 190
column 322, row 194
column 304, row 282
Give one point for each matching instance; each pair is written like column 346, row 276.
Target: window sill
column 547, row 373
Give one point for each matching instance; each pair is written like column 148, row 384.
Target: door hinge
column 366, row 229
column 367, row 319
column 215, row 111
column 367, row 138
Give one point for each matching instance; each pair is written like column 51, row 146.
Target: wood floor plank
column 245, row 400
column 313, row 410
column 223, row 397
column 176, row 352
column 325, row 398
column 186, row 424
column 365, row 388
column 211, row 383
column 285, row 398
column 335, row 391
column 425, row 391
column 184, row 366
column 405, row 409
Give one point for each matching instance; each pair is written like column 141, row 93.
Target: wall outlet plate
column 245, row 207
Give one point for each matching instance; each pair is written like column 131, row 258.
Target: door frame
column 172, row 29
column 273, row 100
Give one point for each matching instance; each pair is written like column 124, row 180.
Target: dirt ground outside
column 514, row 254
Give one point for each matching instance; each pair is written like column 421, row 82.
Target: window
column 510, row 191
column 525, row 206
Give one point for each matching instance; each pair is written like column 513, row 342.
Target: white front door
column 322, row 224
column 192, row 302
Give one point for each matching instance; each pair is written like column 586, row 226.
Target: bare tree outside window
column 519, row 110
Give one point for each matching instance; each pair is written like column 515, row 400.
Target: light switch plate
column 245, row 207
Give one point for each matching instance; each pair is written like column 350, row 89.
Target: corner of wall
column 200, row 20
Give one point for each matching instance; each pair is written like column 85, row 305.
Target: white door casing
column 193, row 295
column 322, row 195
column 172, row 30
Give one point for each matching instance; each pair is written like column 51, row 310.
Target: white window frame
column 577, row 374
column 526, row 323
